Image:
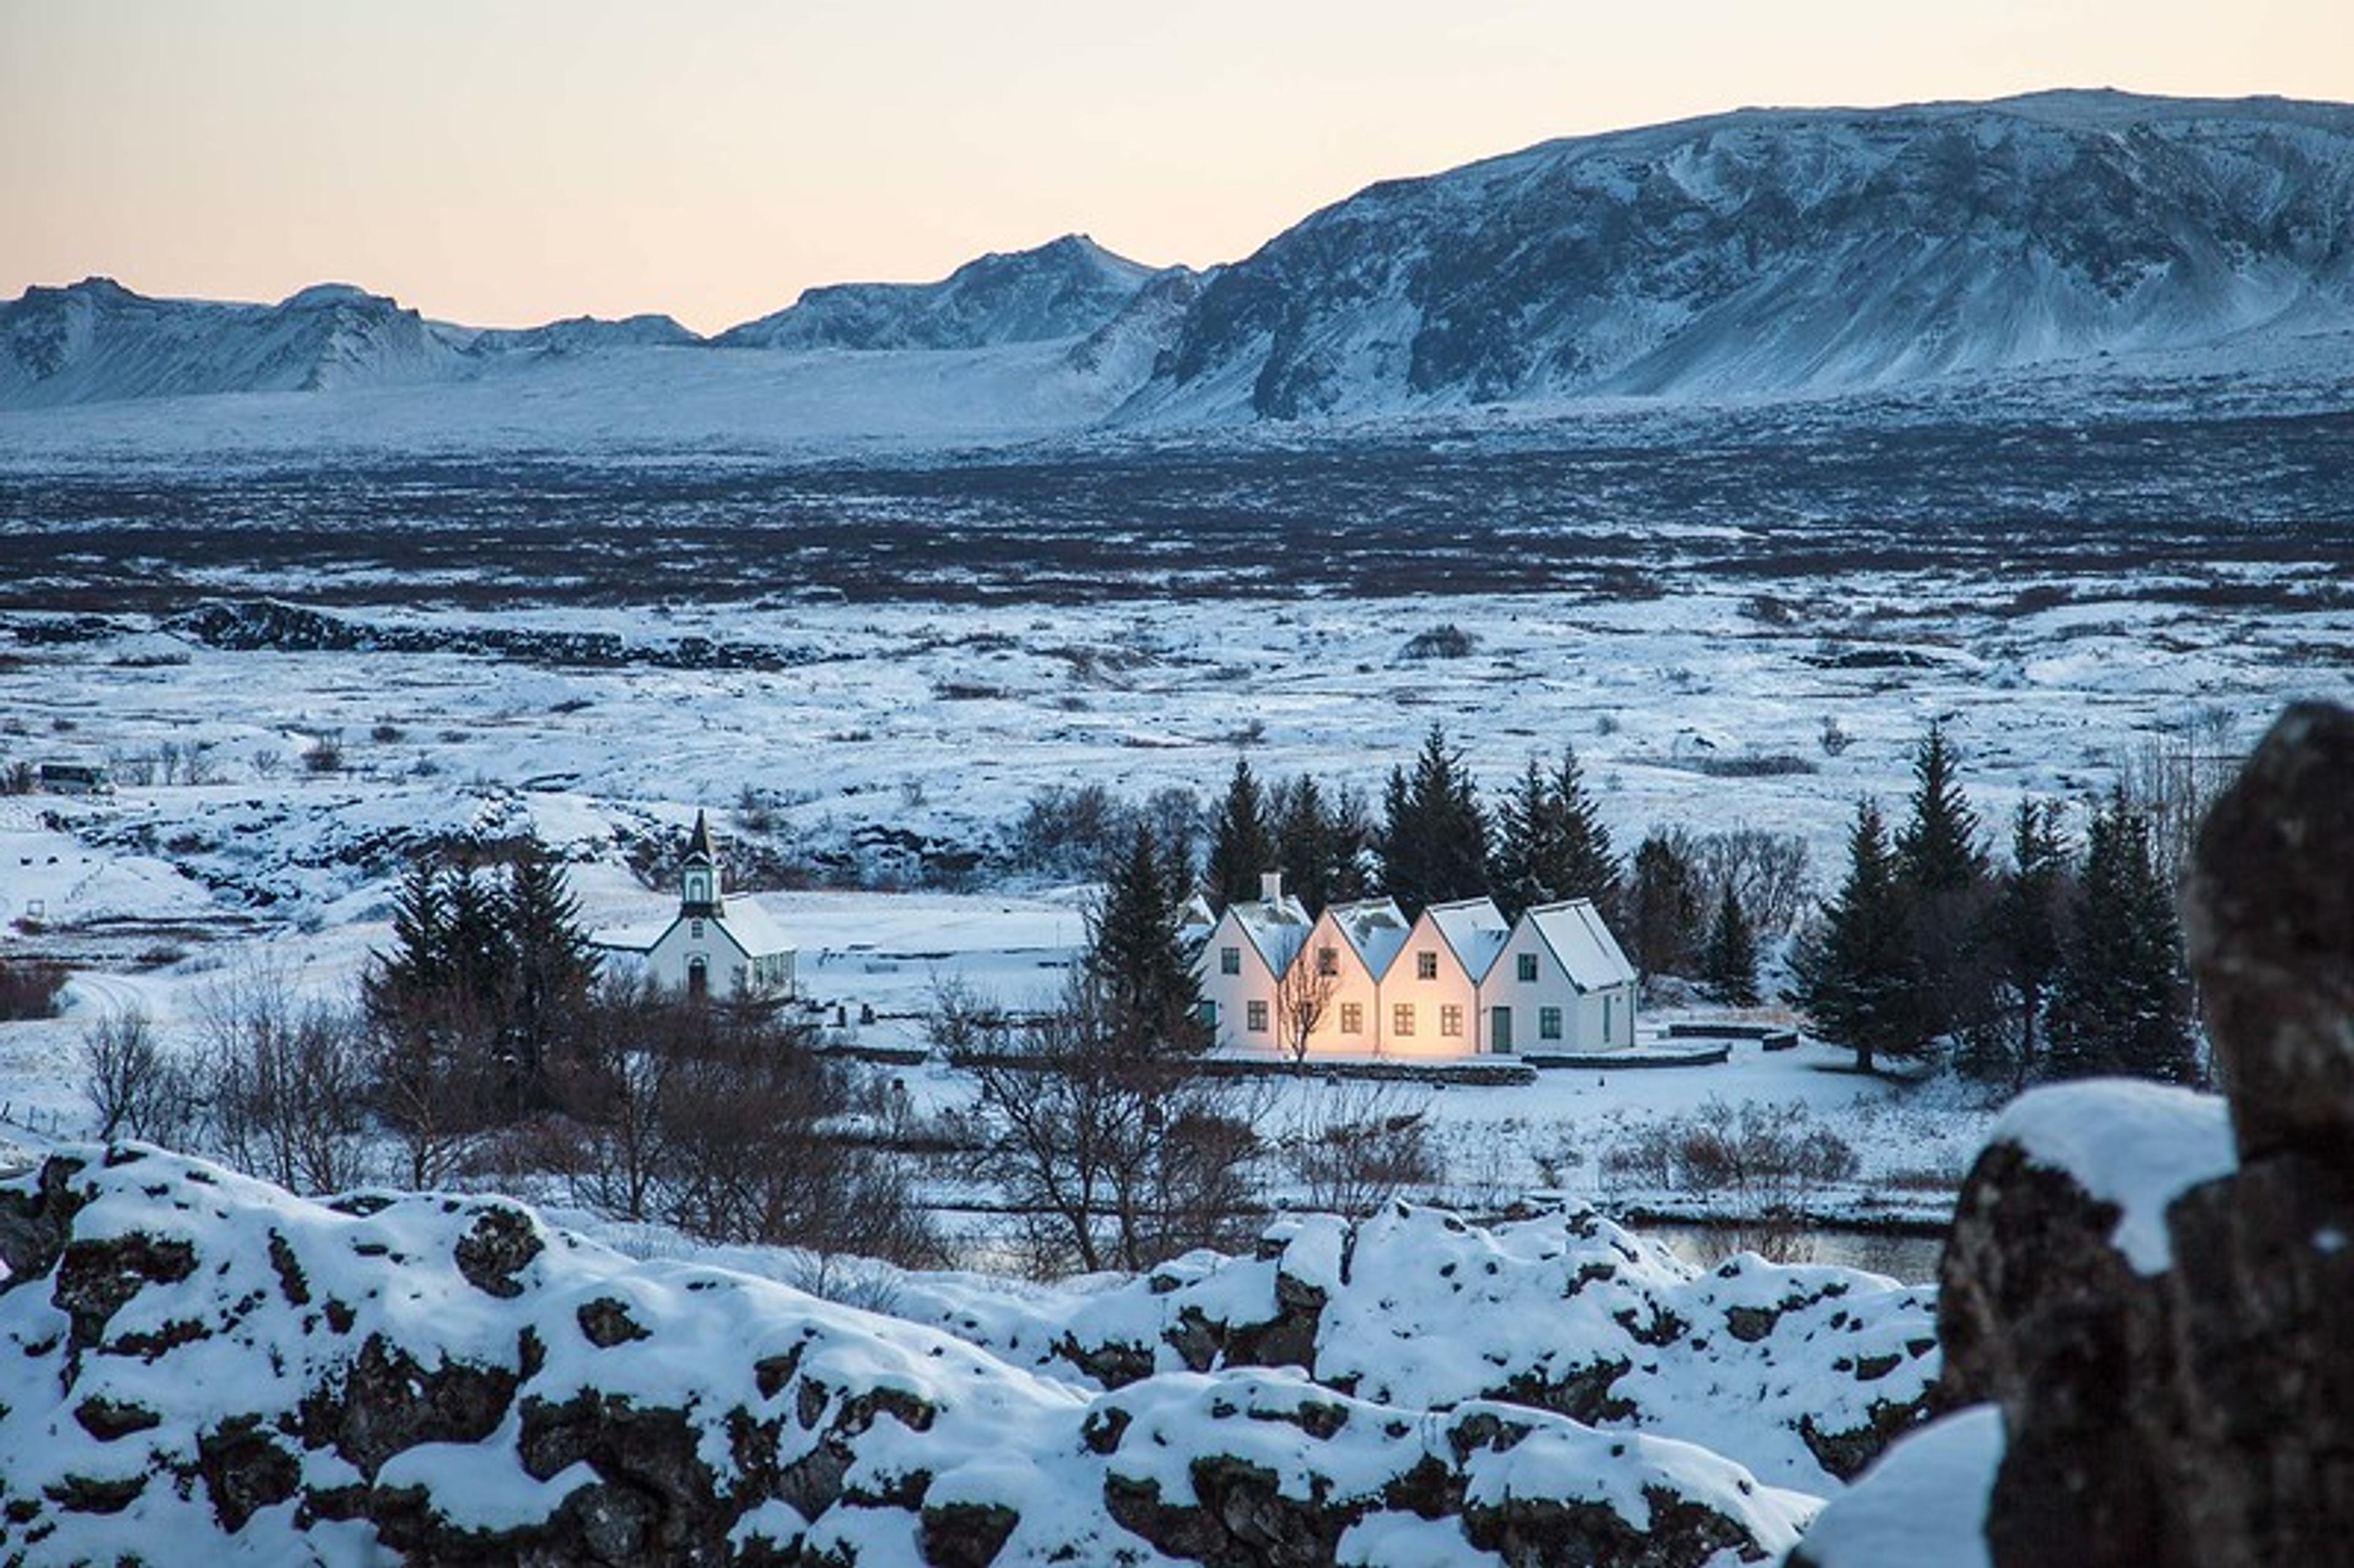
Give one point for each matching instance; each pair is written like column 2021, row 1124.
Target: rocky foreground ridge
column 192, row 1362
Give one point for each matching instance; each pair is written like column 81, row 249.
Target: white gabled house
column 1559, row 984
column 1335, row 983
column 1432, row 988
column 733, row 952
column 1242, row 963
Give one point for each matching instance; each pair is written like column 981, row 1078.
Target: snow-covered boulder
column 1801, row 1373
column 195, row 1365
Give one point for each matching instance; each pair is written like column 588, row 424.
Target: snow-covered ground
column 902, row 740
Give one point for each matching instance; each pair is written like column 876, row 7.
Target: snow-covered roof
column 753, row 928
column 1582, row 943
column 1376, row 928
column 1277, row 928
column 1474, row 930
column 640, row 938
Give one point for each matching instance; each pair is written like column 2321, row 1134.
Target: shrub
column 29, row 987
column 1446, row 641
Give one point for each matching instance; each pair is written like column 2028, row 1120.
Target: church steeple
column 699, row 895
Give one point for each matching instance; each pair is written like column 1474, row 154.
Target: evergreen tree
column 1435, row 833
column 481, row 959
column 1859, row 974
column 1587, row 867
column 1663, row 905
column 1728, row 965
column 552, row 964
column 1939, row 849
column 1942, row 871
column 1527, row 844
column 1309, row 846
column 1136, row 961
column 398, row 984
column 1242, row 846
column 2026, row 923
column 2121, row 1002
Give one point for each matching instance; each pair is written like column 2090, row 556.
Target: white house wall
column 1583, row 1014
column 1352, row 986
column 1429, row 999
column 1230, row 995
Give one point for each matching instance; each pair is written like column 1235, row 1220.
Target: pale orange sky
column 507, row 162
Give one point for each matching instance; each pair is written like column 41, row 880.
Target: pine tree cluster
column 2049, row 967
column 489, row 965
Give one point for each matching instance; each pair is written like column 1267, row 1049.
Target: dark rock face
column 2270, row 923
column 2201, row 1414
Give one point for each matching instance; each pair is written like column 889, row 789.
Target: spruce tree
column 2026, row 921
column 1663, row 915
column 1587, row 868
column 1728, row 965
column 554, row 964
column 481, row 958
column 1136, row 959
column 1435, row 834
column 2120, row 1001
column 1942, row 872
column 1940, row 849
column 1242, row 846
column 1859, row 974
column 400, row 985
column 1307, row 844
column 1527, row 844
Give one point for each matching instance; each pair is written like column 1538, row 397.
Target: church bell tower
column 698, row 892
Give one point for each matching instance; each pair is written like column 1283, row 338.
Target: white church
column 711, row 948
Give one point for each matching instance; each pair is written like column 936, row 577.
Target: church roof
column 698, row 842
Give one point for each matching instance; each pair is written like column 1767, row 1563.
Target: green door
column 1499, row 1030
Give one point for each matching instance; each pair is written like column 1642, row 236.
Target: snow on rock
column 1924, row 1505
column 198, row 1365
column 2138, row 1146
column 1800, row 1374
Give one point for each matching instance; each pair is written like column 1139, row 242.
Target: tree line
column 2054, row 960
column 1689, row 903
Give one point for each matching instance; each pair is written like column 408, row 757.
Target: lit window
column 1352, row 1017
column 1528, row 968
column 1328, row 962
column 1450, row 1022
column 1548, row 1024
column 1230, row 960
column 1425, row 966
column 1402, row 1020
column 1256, row 1018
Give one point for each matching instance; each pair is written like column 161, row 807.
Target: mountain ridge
column 1756, row 251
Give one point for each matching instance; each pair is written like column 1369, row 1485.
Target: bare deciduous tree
column 1303, row 996
column 1355, row 1146
column 284, row 1083
column 133, row 1085
column 1119, row 1158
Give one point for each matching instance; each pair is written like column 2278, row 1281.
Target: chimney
column 1270, row 886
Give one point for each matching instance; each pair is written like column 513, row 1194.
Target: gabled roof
column 1276, row 930
column 1582, row 944
column 1375, row 929
column 1474, row 930
column 753, row 928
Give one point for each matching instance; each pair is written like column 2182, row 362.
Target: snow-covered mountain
column 1768, row 250
column 96, row 340
column 1760, row 252
column 584, row 335
column 1067, row 288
